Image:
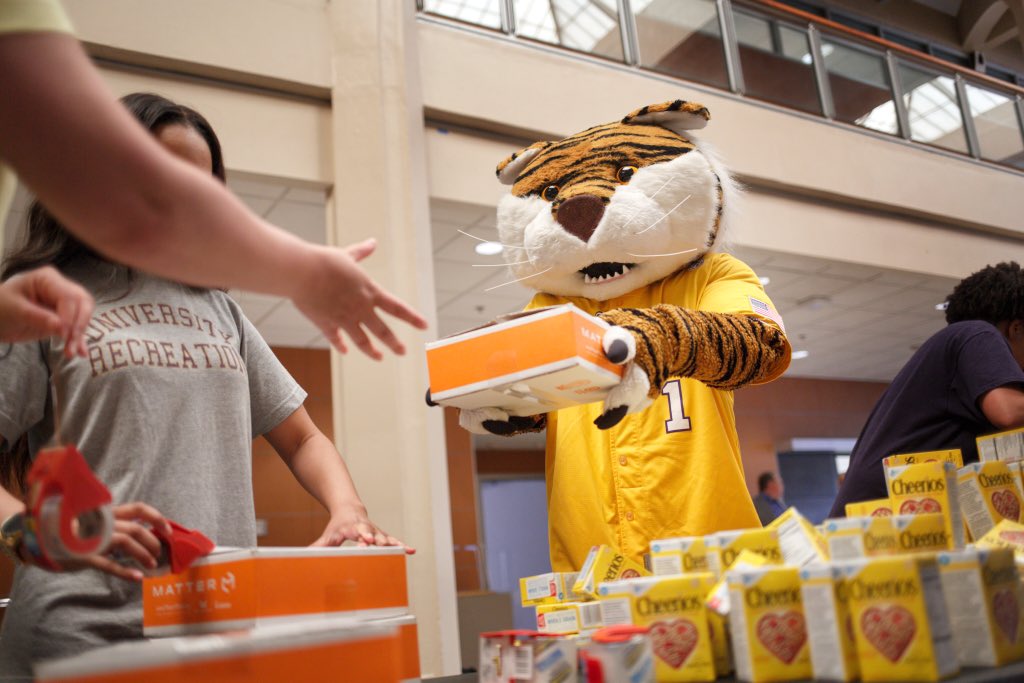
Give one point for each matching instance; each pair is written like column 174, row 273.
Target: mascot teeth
column 604, row 272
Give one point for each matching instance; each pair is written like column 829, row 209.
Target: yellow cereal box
column 953, row 456
column 833, row 652
column 799, row 541
column 548, row 588
column 879, row 507
column 682, row 555
column 1005, row 446
column 1005, row 534
column 986, row 601
column 769, row 633
column 721, row 646
column 988, row 493
column 604, row 563
column 928, row 487
column 921, row 533
column 672, row 607
column 900, row 623
column 568, row 617
column 724, row 547
column 1017, row 470
column 850, row 538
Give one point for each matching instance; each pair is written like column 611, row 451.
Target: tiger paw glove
column 500, row 422
column 722, row 350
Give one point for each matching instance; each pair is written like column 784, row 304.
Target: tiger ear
column 677, row 115
column 509, row 169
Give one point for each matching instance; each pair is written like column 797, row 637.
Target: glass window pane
column 586, row 25
column 995, row 120
column 933, row 108
column 480, row 12
column 860, row 86
column 776, row 62
column 681, row 39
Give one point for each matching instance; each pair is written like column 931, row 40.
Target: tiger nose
column 580, row 215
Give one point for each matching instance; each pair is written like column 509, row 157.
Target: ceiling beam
column 976, row 21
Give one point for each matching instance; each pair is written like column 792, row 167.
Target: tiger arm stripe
column 723, row 350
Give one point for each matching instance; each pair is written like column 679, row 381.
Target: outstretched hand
column 339, row 296
column 353, row 524
column 40, row 303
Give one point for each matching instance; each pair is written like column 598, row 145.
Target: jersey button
column 622, row 460
column 629, row 515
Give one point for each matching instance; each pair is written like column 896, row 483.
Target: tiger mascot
column 625, row 220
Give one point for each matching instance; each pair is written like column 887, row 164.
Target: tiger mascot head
column 616, row 207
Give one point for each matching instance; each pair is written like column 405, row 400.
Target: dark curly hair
column 993, row 294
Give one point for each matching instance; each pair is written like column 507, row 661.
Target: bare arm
column 113, row 186
column 1004, row 407
column 318, row 466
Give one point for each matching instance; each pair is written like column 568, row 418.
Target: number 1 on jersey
column 677, row 420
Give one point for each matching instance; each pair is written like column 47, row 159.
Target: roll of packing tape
column 86, row 535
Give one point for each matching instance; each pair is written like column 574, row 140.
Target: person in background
column 966, row 380
column 768, row 502
column 175, row 384
column 114, row 188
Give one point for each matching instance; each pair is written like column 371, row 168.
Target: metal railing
column 765, row 50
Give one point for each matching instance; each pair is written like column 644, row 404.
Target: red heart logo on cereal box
column 1012, row 537
column 674, row 640
column 1006, row 610
column 782, row 634
column 882, row 512
column 920, row 507
column 891, row 630
column 1006, row 504
column 629, row 574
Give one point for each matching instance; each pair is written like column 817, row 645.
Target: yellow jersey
column 673, row 469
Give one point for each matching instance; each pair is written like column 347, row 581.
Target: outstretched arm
column 117, row 190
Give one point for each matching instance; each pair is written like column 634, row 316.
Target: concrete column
column 394, row 445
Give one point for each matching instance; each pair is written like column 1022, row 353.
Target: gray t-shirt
column 176, row 385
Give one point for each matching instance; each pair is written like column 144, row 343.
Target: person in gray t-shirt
column 175, row 384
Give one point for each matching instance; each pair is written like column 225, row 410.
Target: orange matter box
column 527, row 363
column 244, row 588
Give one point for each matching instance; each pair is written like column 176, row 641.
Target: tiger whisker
column 674, row 253
column 519, row 280
column 506, row 246
column 499, row 265
column 663, row 217
column 651, row 196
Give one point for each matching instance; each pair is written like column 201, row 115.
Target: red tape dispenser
column 181, row 548
column 70, row 508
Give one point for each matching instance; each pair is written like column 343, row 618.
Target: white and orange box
column 989, row 493
column 526, row 657
column 672, row 608
column 833, row 650
column 365, row 652
column 527, row 363
column 986, row 605
column 244, row 588
column 568, row 617
column 1006, row 446
column 681, row 555
column 928, row 487
column 769, row 632
column 899, row 618
column 544, row 589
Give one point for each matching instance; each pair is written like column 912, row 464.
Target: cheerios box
column 725, row 546
column 242, row 588
column 366, row 652
column 925, row 533
column 672, row 608
column 604, row 563
column 986, row 605
column 1005, row 534
column 800, row 543
column 879, row 507
column 850, row 538
column 681, row 555
column 769, row 632
column 528, row 363
column 833, row 651
column 1005, row 446
column 926, row 488
column 544, row 589
column 988, row 494
column 899, row 617
column 568, row 617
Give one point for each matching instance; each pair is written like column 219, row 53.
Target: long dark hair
column 47, row 242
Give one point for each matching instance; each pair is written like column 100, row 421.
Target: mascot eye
column 625, row 173
column 550, row 192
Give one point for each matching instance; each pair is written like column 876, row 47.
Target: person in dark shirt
column 965, row 381
column 768, row 501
